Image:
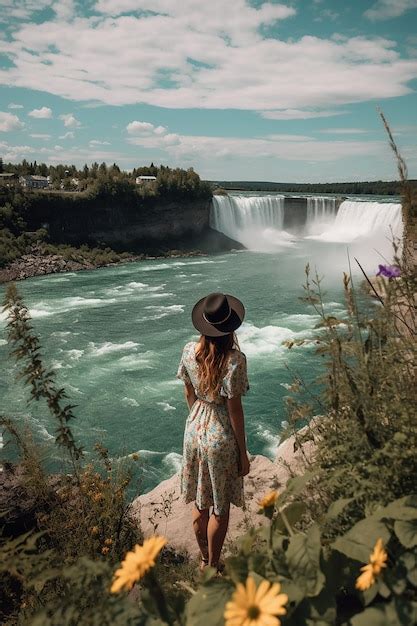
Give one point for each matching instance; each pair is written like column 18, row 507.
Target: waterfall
column 361, row 219
column 320, row 209
column 255, row 221
column 269, row 222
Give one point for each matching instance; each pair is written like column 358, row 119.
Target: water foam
column 130, row 401
column 108, row 347
column 266, row 340
column 359, row 219
column 165, row 406
column 160, row 311
column 172, row 461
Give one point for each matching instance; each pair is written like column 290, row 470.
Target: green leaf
column 293, row 513
column 303, row 558
column 360, row 540
column 402, row 509
column 406, row 532
column 372, row 616
column 409, row 561
column 337, row 507
column 295, row 486
column 208, row 604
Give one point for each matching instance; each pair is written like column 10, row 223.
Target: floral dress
column 209, row 473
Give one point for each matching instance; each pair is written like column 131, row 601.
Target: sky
column 237, row 89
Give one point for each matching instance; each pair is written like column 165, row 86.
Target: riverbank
column 36, row 263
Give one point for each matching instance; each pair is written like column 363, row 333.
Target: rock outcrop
column 163, row 510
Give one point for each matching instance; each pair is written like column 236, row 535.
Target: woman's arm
column 189, row 394
column 237, row 420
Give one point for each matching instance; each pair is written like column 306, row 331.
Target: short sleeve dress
column 209, row 474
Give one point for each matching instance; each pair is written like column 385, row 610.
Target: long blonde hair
column 211, row 356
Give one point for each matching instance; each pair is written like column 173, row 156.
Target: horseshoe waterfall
column 268, row 222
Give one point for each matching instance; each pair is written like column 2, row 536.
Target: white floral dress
column 209, row 473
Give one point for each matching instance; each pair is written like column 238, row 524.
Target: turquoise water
column 114, row 337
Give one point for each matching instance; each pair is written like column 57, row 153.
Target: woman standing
column 215, row 457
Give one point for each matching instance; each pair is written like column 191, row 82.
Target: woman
column 215, row 457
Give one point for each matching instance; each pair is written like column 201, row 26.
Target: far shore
column 34, row 264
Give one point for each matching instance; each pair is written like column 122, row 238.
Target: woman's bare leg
column 200, row 522
column 216, row 533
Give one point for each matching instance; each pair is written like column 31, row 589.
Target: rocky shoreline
column 163, row 510
column 35, row 263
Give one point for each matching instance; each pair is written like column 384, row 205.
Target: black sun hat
column 217, row 314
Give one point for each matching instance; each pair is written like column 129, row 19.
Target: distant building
column 9, row 179
column 142, row 180
column 34, row 182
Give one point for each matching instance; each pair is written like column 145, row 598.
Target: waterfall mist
column 267, row 223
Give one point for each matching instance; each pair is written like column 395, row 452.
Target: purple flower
column 389, row 271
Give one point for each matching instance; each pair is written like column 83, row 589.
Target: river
column 114, row 336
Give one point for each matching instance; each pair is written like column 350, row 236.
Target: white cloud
column 15, row 153
column 387, row 9
column 98, row 142
column 297, row 114
column 205, row 55
column 343, row 131
column 40, row 136
column 12, row 105
column 281, row 146
column 9, row 122
column 67, row 135
column 70, row 121
column 42, row 113
column 140, row 128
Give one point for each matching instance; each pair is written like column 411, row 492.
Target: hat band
column 220, row 321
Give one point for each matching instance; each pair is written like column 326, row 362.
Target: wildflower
column 108, row 542
column 389, row 271
column 268, row 500
column 135, row 456
column 252, row 606
column 105, row 550
column 136, row 563
column 94, row 530
column 97, row 497
column 377, row 561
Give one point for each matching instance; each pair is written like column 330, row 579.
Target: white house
column 34, row 181
column 142, row 180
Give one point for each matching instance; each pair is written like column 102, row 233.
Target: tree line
column 378, row 187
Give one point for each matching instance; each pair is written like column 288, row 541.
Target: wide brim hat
column 217, row 314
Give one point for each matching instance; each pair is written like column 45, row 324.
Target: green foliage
column 23, row 214
column 80, row 520
column 366, row 438
column 320, row 580
column 379, row 187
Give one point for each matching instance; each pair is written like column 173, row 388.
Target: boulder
column 163, row 511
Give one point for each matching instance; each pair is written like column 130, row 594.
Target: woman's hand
column 244, row 465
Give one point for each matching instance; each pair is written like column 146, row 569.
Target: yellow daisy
column 377, row 561
column 256, row 606
column 269, row 499
column 136, row 563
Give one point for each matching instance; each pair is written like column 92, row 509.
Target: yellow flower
column 377, row 561
column 108, row 542
column 252, row 606
column 135, row 456
column 136, row 563
column 105, row 550
column 268, row 500
column 94, row 530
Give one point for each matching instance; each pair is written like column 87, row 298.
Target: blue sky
column 238, row 89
